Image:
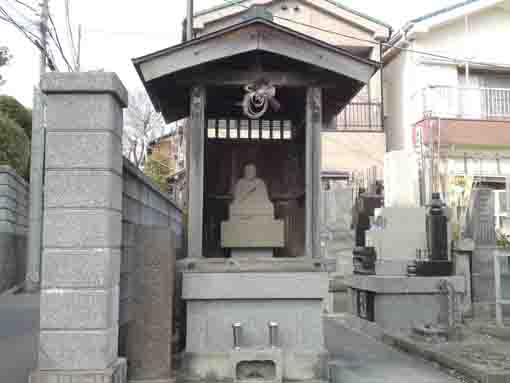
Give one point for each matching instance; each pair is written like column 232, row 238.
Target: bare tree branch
column 142, row 125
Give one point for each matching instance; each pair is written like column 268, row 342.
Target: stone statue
column 252, row 224
column 251, row 196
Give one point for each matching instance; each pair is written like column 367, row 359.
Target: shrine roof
column 216, row 58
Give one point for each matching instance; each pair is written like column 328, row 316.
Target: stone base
column 401, row 303
column 215, row 301
column 263, row 365
column 117, row 373
column 249, row 234
column 391, row 267
column 255, row 252
column 217, row 367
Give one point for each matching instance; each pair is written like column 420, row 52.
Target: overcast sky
column 115, row 31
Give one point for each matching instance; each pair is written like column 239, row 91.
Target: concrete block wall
column 143, row 204
column 14, row 203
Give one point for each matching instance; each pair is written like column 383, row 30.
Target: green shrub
column 155, row 171
column 13, row 109
column 14, row 146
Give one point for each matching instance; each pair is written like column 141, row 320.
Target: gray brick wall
column 142, row 204
column 13, row 228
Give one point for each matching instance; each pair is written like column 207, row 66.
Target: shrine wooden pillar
column 313, row 170
column 196, row 148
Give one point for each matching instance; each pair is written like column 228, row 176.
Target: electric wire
column 31, row 37
column 56, row 40
column 389, row 45
column 27, row 6
column 70, row 33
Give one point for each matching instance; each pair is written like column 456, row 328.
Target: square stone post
column 313, row 170
column 81, row 229
column 196, row 147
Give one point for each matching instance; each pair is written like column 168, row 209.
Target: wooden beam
column 196, row 146
column 313, row 170
column 242, row 77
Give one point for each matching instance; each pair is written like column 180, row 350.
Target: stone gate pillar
column 82, row 229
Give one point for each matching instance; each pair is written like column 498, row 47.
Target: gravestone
column 150, row 333
column 481, row 227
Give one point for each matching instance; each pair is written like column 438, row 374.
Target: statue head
column 250, row 172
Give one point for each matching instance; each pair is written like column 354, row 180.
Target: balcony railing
column 467, row 103
column 358, row 117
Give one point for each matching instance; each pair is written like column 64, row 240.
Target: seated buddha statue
column 252, row 222
column 250, row 196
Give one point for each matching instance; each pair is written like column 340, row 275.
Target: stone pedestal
column 398, row 303
column 82, row 229
column 216, row 300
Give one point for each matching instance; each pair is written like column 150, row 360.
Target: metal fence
column 359, row 117
column 460, row 102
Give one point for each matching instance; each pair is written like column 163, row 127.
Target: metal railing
column 461, row 102
column 359, row 117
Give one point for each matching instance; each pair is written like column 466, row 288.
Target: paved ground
column 19, row 321
column 356, row 358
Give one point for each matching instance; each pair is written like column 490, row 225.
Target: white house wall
column 300, row 12
column 408, row 73
column 486, row 40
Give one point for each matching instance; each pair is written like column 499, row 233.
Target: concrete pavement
column 357, row 358
column 19, row 323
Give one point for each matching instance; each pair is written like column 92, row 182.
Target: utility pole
column 78, row 53
column 189, row 21
column 43, row 27
column 33, row 273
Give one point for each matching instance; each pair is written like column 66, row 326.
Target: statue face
column 250, row 172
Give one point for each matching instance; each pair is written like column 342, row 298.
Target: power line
column 375, row 42
column 27, row 6
column 70, row 31
column 29, row 35
column 56, row 39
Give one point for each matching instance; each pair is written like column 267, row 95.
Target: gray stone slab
column 252, row 285
column 81, row 112
column 77, row 350
column 80, row 268
column 116, row 373
column 88, row 83
column 83, row 189
column 401, row 284
column 299, row 324
column 79, row 309
column 77, row 228
column 150, row 333
column 78, row 150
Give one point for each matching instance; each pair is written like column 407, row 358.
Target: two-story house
column 447, row 92
column 354, row 140
column 169, row 152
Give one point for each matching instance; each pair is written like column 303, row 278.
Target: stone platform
column 218, row 298
column 398, row 303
